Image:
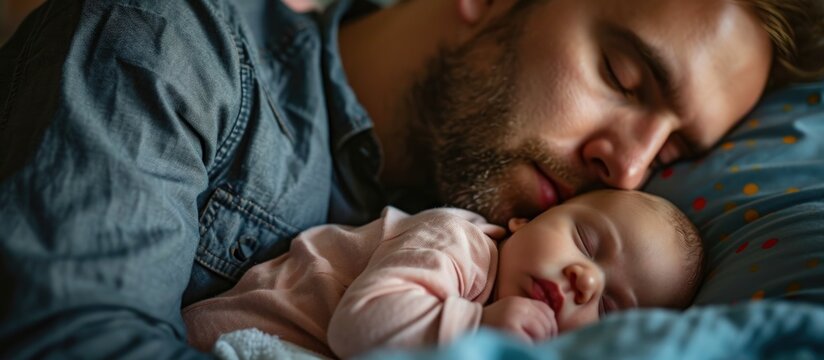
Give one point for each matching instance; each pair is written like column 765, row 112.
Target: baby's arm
column 419, row 285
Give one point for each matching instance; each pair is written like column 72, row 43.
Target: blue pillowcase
column 758, row 200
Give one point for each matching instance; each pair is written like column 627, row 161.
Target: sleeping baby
column 404, row 281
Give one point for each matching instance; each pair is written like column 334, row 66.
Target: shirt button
column 244, row 248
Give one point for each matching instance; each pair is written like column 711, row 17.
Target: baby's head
column 600, row 252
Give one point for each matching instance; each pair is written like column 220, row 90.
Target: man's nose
column 621, row 155
column 586, row 281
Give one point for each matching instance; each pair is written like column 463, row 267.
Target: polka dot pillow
column 758, row 200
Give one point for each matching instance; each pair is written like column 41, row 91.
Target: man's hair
column 796, row 30
column 689, row 237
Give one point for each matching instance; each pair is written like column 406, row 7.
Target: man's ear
column 516, row 224
column 472, row 11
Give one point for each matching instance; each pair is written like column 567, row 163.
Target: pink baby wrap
column 400, row 281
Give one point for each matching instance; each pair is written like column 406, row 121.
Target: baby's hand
column 528, row 319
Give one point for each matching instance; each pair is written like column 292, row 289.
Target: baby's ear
column 517, row 223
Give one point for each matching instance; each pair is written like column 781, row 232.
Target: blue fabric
column 768, row 330
column 140, row 137
column 758, row 200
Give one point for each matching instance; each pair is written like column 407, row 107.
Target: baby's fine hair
column 690, row 238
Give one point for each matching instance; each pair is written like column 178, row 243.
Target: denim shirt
column 152, row 151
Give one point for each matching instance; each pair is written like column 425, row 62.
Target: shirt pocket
column 236, row 233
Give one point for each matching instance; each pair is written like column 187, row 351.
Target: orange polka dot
column 788, row 108
column 792, row 190
column 814, row 99
column 734, row 169
column 724, row 237
column 752, row 143
column 728, row 145
column 751, row 215
column 719, row 186
column 759, row 295
column 793, row 288
column 812, row 263
column 789, row 139
column 750, row 189
column 754, row 268
column 729, row 206
column 753, row 123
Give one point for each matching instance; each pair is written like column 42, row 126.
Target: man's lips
column 548, row 292
column 548, row 196
column 551, row 192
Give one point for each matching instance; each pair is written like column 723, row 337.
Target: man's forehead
column 632, row 10
column 716, row 53
column 725, row 71
column 664, row 13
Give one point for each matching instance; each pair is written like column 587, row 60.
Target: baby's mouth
column 548, row 292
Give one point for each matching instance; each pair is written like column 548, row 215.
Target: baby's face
column 594, row 254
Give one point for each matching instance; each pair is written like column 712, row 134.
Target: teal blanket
column 767, row 329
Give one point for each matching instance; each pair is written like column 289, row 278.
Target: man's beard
column 465, row 105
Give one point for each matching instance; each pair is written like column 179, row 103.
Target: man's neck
column 383, row 53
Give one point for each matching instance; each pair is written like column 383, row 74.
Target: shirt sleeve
column 108, row 130
column 425, row 284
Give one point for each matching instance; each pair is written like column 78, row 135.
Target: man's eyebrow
column 662, row 72
column 658, row 65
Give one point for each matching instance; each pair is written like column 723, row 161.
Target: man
column 139, row 138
